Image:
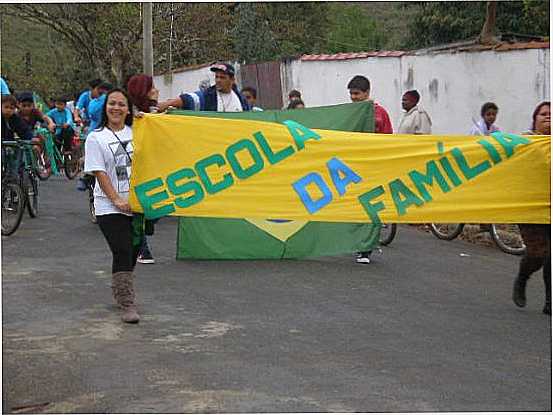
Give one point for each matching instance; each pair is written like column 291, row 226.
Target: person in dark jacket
column 12, row 125
column 224, row 96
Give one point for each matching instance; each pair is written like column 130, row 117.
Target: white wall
column 453, row 86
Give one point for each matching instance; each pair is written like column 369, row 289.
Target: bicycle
column 70, row 160
column 13, row 199
column 387, row 233
column 506, row 236
column 19, row 167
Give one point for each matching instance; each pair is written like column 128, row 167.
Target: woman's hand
column 139, row 114
column 122, row 204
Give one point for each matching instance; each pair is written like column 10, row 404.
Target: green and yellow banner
column 226, row 168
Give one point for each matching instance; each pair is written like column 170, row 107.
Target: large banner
column 254, row 238
column 225, row 168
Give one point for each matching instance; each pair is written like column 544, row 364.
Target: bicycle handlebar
column 17, row 142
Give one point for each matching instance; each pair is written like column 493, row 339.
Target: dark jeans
column 65, row 137
column 117, row 229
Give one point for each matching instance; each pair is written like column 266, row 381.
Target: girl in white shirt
column 108, row 156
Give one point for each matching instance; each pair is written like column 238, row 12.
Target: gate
column 265, row 78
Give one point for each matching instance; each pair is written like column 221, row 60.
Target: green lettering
column 448, row 168
column 148, row 201
column 491, row 150
column 241, row 172
column 273, row 158
column 190, row 186
column 469, row 172
column 509, row 141
column 399, row 189
column 372, row 209
column 432, row 173
column 300, row 133
column 201, row 167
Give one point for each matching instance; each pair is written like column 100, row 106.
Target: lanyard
column 122, row 145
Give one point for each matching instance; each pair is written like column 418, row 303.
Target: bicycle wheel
column 446, row 231
column 31, row 193
column 387, row 233
column 13, row 203
column 507, row 237
column 43, row 168
column 71, row 163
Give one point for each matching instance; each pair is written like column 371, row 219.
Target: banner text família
column 210, row 167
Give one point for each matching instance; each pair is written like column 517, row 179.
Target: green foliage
column 252, row 37
column 352, row 29
column 435, row 23
column 36, row 58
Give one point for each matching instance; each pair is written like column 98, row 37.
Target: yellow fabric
column 501, row 179
column 281, row 230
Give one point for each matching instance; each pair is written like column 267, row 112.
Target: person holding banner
column 222, row 97
column 359, row 90
column 144, row 96
column 108, row 157
column 537, row 238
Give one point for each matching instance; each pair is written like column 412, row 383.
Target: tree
column 435, row 23
column 106, row 37
column 252, row 37
column 352, row 29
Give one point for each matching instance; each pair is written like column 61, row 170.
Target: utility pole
column 147, row 43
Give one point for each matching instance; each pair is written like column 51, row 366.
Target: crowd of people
column 108, row 114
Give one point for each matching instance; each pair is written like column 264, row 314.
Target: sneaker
column 363, row 257
column 145, row 256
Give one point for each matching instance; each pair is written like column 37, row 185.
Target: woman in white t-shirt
column 108, row 156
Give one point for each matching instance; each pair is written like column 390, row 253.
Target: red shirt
column 382, row 123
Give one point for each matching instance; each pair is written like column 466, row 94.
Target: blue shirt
column 95, row 112
column 60, row 118
column 4, row 90
column 82, row 104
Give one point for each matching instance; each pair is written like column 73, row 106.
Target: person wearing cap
column 222, row 97
column 415, row 120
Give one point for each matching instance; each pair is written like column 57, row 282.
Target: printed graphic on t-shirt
column 121, row 155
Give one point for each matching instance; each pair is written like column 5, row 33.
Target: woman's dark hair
column 486, row 107
column 537, row 110
column 294, row 104
column 128, row 118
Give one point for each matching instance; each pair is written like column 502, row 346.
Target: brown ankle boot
column 123, row 293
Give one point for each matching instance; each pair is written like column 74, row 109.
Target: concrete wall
column 453, row 86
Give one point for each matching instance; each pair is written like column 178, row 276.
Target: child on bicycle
column 12, row 123
column 64, row 125
column 32, row 115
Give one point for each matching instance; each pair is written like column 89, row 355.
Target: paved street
column 420, row 329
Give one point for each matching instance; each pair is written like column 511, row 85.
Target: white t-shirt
column 228, row 102
column 104, row 152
